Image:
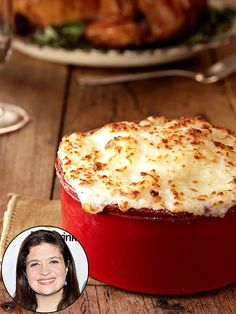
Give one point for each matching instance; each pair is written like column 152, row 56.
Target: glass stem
column 1, row 112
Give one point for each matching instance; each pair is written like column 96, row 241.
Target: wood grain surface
column 58, row 106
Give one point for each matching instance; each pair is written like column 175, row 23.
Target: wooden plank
column 92, row 107
column 230, row 82
column 98, row 299
column 27, row 156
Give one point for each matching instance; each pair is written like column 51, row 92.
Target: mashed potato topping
column 183, row 165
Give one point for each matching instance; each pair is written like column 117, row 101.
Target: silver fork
column 214, row 73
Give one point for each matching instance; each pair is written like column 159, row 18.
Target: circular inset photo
column 45, row 269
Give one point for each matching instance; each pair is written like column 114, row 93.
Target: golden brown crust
column 182, row 165
column 168, row 18
column 117, row 23
column 44, row 12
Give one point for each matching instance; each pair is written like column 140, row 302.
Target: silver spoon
column 214, row 73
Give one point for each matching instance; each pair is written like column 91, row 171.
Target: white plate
column 126, row 58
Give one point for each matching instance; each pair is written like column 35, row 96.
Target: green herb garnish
column 68, row 35
column 212, row 23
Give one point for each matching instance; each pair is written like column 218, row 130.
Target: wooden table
column 57, row 106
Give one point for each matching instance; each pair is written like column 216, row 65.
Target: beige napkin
column 25, row 212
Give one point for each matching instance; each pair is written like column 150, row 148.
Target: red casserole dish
column 155, row 253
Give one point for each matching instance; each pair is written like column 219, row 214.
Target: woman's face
column 45, row 268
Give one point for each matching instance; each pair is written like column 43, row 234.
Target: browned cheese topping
column 183, row 165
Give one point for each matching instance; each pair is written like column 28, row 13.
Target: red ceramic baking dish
column 155, row 253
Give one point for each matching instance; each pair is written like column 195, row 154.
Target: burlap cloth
column 25, row 212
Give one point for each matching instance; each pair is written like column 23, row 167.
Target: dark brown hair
column 24, row 295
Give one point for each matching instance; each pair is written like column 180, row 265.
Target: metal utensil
column 12, row 118
column 214, row 73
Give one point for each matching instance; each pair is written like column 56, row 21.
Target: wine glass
column 12, row 117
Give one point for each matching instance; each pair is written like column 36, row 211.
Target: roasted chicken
column 117, row 23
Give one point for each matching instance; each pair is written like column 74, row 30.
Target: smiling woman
column 45, row 274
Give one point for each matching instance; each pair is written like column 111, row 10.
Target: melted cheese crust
column 183, row 165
